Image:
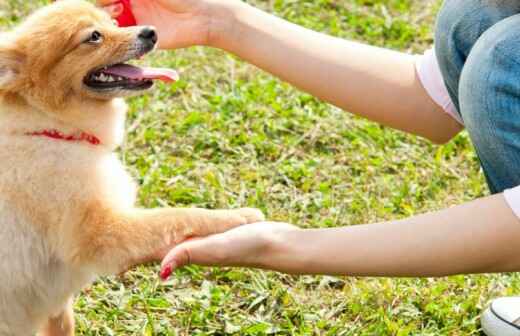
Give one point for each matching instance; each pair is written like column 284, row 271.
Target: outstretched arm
column 478, row 237
column 375, row 83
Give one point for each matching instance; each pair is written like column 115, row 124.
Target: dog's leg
column 61, row 325
column 113, row 241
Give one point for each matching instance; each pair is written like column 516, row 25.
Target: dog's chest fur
column 34, row 282
column 45, row 185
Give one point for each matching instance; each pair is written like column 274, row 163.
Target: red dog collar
column 55, row 134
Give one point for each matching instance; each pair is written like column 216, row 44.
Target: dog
column 67, row 212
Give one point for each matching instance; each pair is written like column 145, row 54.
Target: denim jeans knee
column 460, row 23
column 489, row 97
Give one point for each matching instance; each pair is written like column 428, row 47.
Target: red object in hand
column 126, row 18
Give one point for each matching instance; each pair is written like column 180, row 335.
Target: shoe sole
column 494, row 325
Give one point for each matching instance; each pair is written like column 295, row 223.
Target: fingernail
column 166, row 272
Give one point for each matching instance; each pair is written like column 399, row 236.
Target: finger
column 114, row 9
column 206, row 251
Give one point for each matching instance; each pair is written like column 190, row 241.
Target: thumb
column 204, row 251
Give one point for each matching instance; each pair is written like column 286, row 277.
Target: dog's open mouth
column 128, row 77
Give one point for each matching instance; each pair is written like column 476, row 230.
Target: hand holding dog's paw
column 253, row 245
column 185, row 224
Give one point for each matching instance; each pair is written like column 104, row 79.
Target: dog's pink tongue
column 133, row 72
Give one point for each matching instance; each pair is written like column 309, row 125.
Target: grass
column 229, row 135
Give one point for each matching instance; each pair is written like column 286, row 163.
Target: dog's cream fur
column 67, row 208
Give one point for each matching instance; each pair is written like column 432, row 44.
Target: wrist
column 283, row 250
column 224, row 24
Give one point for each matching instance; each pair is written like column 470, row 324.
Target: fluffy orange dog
column 66, row 203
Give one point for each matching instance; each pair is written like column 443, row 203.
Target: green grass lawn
column 229, row 135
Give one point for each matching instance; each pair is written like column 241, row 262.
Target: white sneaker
column 502, row 317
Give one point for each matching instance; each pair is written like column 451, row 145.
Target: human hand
column 259, row 245
column 180, row 23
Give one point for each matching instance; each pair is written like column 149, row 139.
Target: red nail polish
column 166, row 272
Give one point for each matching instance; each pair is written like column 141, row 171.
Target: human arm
column 477, row 237
column 375, row 83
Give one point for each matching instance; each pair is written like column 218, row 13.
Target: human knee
column 460, row 25
column 489, row 89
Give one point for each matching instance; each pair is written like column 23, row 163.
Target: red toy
column 126, row 18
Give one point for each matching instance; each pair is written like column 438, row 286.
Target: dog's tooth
column 110, row 79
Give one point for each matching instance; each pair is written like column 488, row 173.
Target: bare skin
column 480, row 236
column 379, row 84
column 368, row 81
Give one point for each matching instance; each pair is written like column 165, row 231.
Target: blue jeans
column 477, row 43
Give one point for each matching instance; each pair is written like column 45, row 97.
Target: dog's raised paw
column 252, row 215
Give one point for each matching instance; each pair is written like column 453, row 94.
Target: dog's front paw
column 251, row 215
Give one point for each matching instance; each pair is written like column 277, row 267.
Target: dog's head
column 71, row 52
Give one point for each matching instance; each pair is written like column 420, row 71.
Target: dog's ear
column 11, row 62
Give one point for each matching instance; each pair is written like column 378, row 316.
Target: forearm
column 375, row 83
column 478, row 237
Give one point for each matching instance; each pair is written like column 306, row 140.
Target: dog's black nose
column 148, row 34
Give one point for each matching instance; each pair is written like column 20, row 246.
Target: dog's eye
column 95, row 38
